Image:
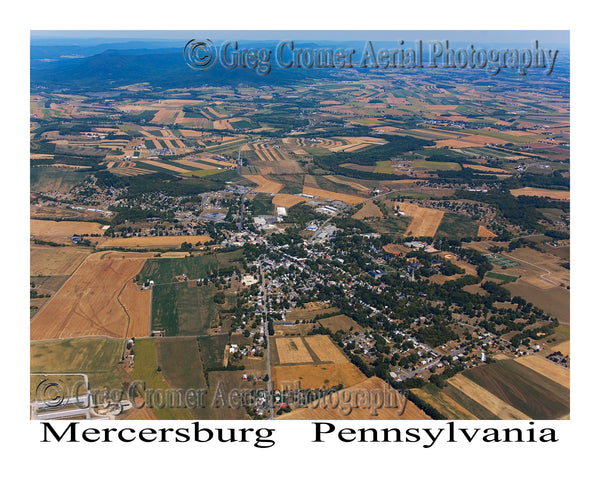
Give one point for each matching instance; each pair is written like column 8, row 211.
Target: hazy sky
column 490, row 36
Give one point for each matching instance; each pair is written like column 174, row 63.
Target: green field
column 384, row 166
column 146, row 370
column 47, row 179
column 262, row 204
column 457, row 226
column 522, row 388
column 165, row 270
column 501, row 276
column 182, row 367
column 212, row 349
column 186, row 309
column 201, row 173
column 96, row 357
column 436, row 165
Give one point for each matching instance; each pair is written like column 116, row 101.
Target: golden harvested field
column 542, row 192
column 164, row 115
column 549, row 369
column 222, row 125
column 564, row 347
column 355, row 185
column 483, row 168
column 351, row 406
column 191, row 133
column 323, row 347
column 368, row 210
column 221, row 163
column 292, row 350
column 195, row 165
column 137, row 305
column 264, row 184
column 88, row 303
column 317, row 192
column 286, row 200
column 485, row 233
column 445, row 405
column 317, row 376
column 170, row 241
column 486, row 399
column 49, row 261
column 166, row 166
column 425, row 221
column 63, row 230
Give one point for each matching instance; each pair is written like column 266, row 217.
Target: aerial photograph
column 299, row 225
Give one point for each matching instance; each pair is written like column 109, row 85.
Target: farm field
column 63, row 230
column 316, row 376
column 264, row 184
column 145, row 370
column 183, row 308
column 340, row 322
column 88, row 303
column 150, row 242
column 487, row 400
column 444, row 404
column 325, row 349
column 549, row 369
column 541, row 192
column 368, row 210
column 424, row 221
column 292, row 350
column 51, row 261
column 96, row 357
column 167, row 269
column 521, row 388
column 397, row 409
column 317, row 192
column 286, row 200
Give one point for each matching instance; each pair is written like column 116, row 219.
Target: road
column 268, row 342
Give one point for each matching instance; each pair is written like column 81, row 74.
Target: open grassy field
column 53, row 179
column 397, row 408
column 146, row 370
column 426, row 165
column 96, row 357
column 51, row 261
column 184, row 308
column 522, row 388
column 212, row 349
column 88, row 303
column 340, row 322
column 166, row 270
column 457, row 226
